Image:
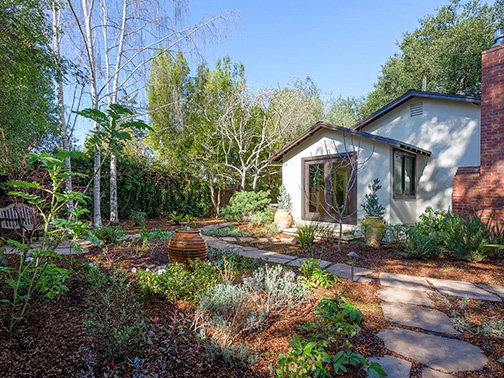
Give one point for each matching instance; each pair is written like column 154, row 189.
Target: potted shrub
column 283, row 217
column 373, row 225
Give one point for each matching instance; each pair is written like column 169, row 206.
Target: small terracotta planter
column 283, row 219
column 374, row 230
column 185, row 246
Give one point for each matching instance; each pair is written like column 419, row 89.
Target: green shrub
column 114, row 314
column 432, row 222
column 226, row 231
column 372, row 205
column 314, row 276
column 177, row 282
column 284, row 199
column 260, row 217
column 325, row 351
column 306, row 233
column 109, row 234
column 269, row 230
column 466, row 238
column 397, row 233
column 419, row 245
column 243, row 204
column 139, row 218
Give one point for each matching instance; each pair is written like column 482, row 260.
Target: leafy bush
column 226, row 231
column 114, row 313
column 326, row 349
column 372, row 205
column 397, row 233
column 306, row 233
column 243, row 204
column 157, row 234
column 314, row 276
column 284, row 199
column 139, row 218
column 234, row 355
column 177, row 282
column 419, row 245
column 229, row 309
column 260, row 217
column 433, row 221
column 109, row 234
column 466, row 238
column 274, row 289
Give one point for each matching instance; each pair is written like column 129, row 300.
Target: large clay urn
column 283, row 219
column 185, row 246
column 374, row 230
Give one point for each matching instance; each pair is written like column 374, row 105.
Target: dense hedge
column 149, row 187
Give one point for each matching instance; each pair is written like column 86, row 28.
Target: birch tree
column 119, row 43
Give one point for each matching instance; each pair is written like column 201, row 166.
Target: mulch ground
column 54, row 342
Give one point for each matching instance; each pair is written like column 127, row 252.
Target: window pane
column 316, row 188
column 398, row 162
column 409, row 180
column 339, row 179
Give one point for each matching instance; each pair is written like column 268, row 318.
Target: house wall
column 326, row 142
column 451, row 131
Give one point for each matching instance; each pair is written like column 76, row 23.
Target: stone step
column 407, row 296
column 437, row 352
column 419, row 317
column 462, row 289
column 404, row 281
column 393, row 366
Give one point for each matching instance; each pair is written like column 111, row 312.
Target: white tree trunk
column 114, row 211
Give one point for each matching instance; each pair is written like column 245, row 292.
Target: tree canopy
column 27, row 107
column 445, row 50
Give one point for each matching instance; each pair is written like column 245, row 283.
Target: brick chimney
column 481, row 188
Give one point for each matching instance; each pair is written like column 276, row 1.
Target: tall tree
column 116, row 42
column 445, row 50
column 27, row 70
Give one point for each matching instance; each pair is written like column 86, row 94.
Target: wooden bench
column 20, row 217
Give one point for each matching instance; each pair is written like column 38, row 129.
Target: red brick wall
column 481, row 189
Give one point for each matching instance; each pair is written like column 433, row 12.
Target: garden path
column 406, row 301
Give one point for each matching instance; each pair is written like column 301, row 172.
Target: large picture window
column 404, row 174
column 325, row 184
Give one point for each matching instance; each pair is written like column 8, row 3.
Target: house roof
column 409, row 95
column 360, row 134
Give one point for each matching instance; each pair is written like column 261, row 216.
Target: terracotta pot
column 185, row 246
column 374, row 230
column 283, row 219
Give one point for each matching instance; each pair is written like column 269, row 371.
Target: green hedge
column 146, row 186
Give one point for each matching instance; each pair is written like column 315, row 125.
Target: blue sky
column 340, row 44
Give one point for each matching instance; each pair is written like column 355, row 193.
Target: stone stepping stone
column 495, row 289
column 287, row 240
column 419, row 317
column 345, row 271
column 462, row 289
column 393, row 366
column 246, row 239
column 407, row 296
column 299, row 261
column 404, row 281
column 437, row 352
column 262, row 240
column 229, row 239
column 430, row 373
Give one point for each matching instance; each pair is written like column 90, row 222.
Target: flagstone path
column 434, row 342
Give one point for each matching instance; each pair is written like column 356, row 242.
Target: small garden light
column 353, row 256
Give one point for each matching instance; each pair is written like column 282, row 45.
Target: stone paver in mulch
column 430, row 373
column 495, row 289
column 438, row 352
column 229, row 238
column 393, row 366
column 462, row 289
column 404, row 282
column 345, row 271
column 419, row 317
column 407, row 296
column 246, row 239
column 299, row 261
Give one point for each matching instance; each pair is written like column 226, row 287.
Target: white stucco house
column 413, row 145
